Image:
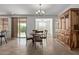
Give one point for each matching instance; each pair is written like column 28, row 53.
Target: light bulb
column 39, row 11
column 36, row 12
column 43, row 12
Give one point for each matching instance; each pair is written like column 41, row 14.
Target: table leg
column 32, row 41
column 1, row 41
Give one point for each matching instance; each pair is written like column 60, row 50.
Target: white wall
column 30, row 25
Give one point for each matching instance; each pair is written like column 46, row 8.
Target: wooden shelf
column 67, row 22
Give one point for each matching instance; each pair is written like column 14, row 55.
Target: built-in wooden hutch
column 68, row 28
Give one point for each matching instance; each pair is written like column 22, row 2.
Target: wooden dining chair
column 30, row 38
column 45, row 35
column 37, row 39
column 3, row 35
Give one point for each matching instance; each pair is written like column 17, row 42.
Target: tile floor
column 19, row 46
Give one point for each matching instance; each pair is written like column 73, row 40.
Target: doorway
column 19, row 30
column 21, row 27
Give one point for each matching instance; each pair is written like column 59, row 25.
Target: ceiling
column 30, row 9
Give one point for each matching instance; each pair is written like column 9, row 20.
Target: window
column 3, row 23
column 44, row 24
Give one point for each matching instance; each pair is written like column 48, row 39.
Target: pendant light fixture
column 40, row 11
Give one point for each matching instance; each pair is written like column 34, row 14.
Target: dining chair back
column 39, row 31
column 3, row 34
column 37, row 39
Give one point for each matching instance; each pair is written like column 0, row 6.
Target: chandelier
column 40, row 11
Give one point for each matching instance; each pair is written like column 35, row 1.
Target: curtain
column 14, row 26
